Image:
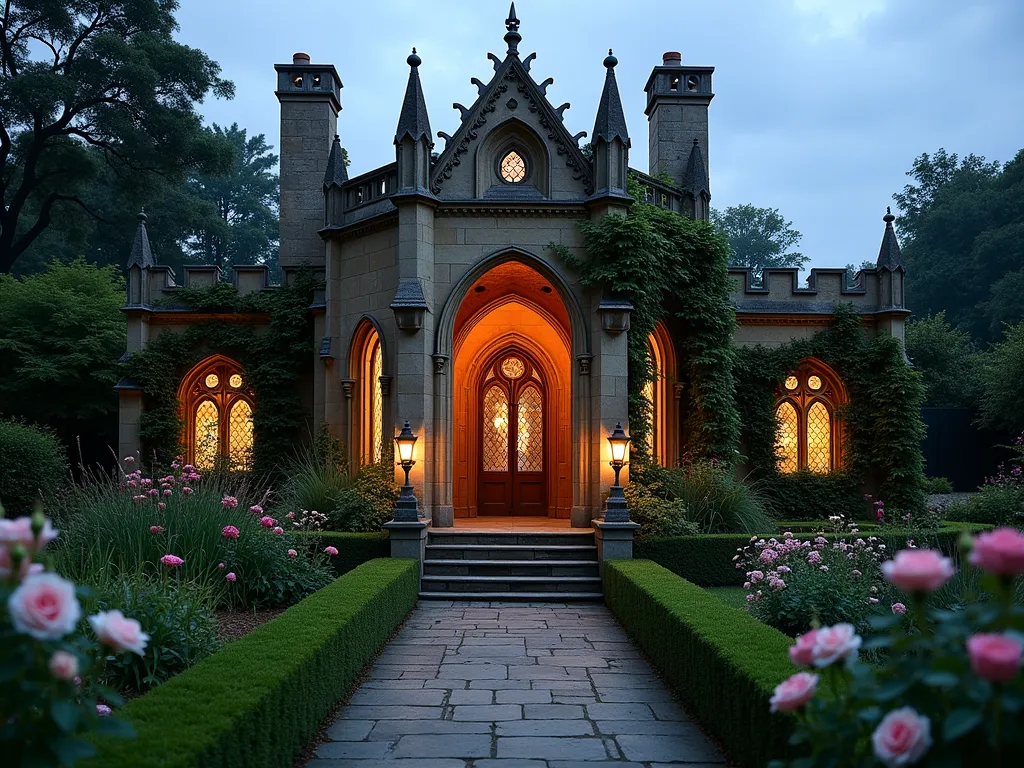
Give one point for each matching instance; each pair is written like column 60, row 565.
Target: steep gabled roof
column 889, row 256
column 142, row 254
column 413, row 121
column 695, row 180
column 611, row 119
column 336, row 174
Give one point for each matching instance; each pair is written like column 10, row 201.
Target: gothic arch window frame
column 831, row 395
column 369, row 371
column 194, row 391
column 513, row 135
column 660, row 393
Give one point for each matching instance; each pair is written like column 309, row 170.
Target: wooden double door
column 513, row 397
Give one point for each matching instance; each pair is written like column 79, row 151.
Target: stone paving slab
column 513, row 685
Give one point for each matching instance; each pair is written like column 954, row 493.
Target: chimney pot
column 300, row 58
column 671, row 59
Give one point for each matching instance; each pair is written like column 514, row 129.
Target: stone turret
column 140, row 260
column 412, row 137
column 677, row 112
column 696, row 185
column 611, row 139
column 335, row 177
column 310, row 96
column 890, row 266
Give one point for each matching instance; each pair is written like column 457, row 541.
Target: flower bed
column 354, row 549
column 256, row 702
column 722, row 662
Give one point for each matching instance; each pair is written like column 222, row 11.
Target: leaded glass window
column 530, row 431
column 807, row 436
column 495, row 428
column 513, row 167
column 369, row 410
column 207, row 434
column 217, row 405
column 819, row 438
column 240, row 435
column 786, row 437
column 377, row 402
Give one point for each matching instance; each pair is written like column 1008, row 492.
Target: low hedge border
column 354, row 549
column 259, row 700
column 706, row 559
column 722, row 662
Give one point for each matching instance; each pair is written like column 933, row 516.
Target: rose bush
column 947, row 689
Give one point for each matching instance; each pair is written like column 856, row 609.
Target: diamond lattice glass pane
column 814, row 382
column 649, row 397
column 235, row 380
column 212, row 380
column 819, row 438
column 495, row 428
column 786, row 438
column 240, row 435
column 513, row 367
column 791, row 383
column 206, row 434
column 513, row 168
column 530, row 437
column 377, row 403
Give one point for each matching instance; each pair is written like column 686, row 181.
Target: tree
column 1003, row 382
column 851, row 271
column 948, row 361
column 101, row 74
column 759, row 237
column 61, row 335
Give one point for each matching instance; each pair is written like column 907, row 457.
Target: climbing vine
column 674, row 269
column 276, row 356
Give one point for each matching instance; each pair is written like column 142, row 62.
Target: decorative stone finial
column 413, row 60
column 512, row 37
column 141, row 216
column 610, row 60
column 888, row 218
column 512, row 23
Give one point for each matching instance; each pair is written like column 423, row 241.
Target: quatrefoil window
column 513, row 167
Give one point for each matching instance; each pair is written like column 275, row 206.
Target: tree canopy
column 948, row 361
column 758, row 237
column 95, row 89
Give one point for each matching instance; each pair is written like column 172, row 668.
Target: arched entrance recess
column 511, row 316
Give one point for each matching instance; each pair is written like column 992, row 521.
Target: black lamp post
column 406, row 508
column 617, row 511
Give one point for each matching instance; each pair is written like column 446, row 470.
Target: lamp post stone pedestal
column 407, row 531
column 613, row 533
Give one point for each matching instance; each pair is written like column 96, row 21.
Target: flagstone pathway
column 512, row 685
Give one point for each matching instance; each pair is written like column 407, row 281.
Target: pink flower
column 292, row 553
column 129, row 459
column 229, row 532
column 1000, row 552
column 63, row 665
column 186, row 490
column 44, row 606
column 102, row 710
column 290, row 515
column 332, row 551
column 221, row 566
column 918, row 570
column 794, row 692
column 167, row 492
column 113, row 628
column 803, row 652
column 267, row 522
column 835, row 643
column 229, row 502
column 161, row 505
column 153, row 491
column 256, row 509
column 995, row 658
column 230, row 576
column 171, row 561
column 156, row 529
column 814, row 557
column 899, row 609
column 278, row 530
column 756, row 576
column 19, row 531
column 768, row 556
column 902, row 738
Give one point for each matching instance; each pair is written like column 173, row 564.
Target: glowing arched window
column 218, row 408
column 495, row 428
column 369, row 363
column 656, row 389
column 807, row 435
column 530, row 431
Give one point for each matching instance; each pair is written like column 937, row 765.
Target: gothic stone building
column 444, row 305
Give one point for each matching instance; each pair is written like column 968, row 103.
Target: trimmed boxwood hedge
column 354, row 549
column 707, row 559
column 722, row 662
column 259, row 700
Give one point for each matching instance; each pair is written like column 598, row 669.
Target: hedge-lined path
column 513, row 685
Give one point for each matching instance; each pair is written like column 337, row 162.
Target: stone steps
column 475, row 565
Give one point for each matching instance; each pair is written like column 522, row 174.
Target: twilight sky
column 820, row 106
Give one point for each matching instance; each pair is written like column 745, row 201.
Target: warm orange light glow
column 807, row 435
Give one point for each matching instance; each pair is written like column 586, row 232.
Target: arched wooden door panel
column 512, row 446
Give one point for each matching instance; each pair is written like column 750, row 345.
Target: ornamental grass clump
column 946, row 689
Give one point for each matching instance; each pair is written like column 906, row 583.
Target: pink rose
column 835, row 643
column 230, row 576
column 1000, row 552
column 995, row 658
column 802, row 654
column 902, row 737
column 899, row 609
column 19, row 531
column 113, row 628
column 793, row 693
column 918, row 570
column 292, row 553
column 44, row 606
column 278, row 530
column 63, row 665
column 171, row 561
column 332, row 551
column 229, row 532
column 229, row 502
column 102, row 710
column 267, row 522
column 156, row 529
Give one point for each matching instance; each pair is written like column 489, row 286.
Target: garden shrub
column 1000, row 501
column 316, row 477
column 178, row 619
column 810, row 496
column 723, row 663
column 258, row 701
column 354, row 549
column 368, row 503
column 937, row 485
column 655, row 515
column 32, row 463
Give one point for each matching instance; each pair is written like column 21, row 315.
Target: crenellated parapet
column 779, row 291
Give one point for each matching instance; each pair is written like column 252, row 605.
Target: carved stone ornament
column 584, row 361
column 677, row 391
column 439, row 364
column 346, row 387
column 385, row 385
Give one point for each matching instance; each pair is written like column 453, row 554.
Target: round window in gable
column 513, row 167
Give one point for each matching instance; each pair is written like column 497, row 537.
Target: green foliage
column 354, row 549
column 258, row 701
column 992, row 505
column 177, row 617
column 1003, row 382
column 276, row 361
column 61, row 333
column 759, row 237
column 708, row 494
column 937, row 485
column 32, row 465
column 89, row 86
column 654, row 258
column 723, row 663
column 368, row 503
column 807, row 495
column 948, row 361
column 655, row 515
column 882, row 423
column 317, row 477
